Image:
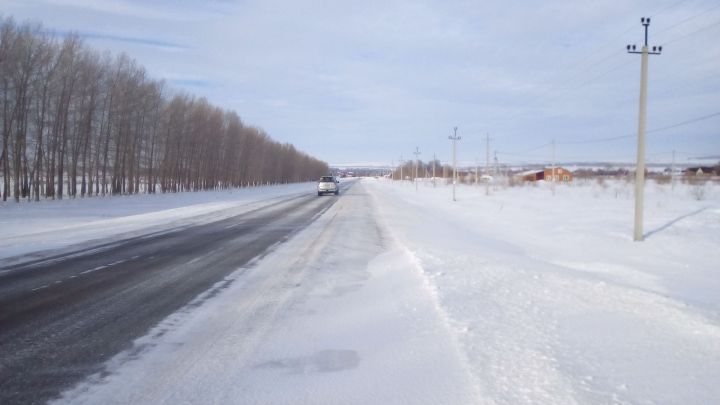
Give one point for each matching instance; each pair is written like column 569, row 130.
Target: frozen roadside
column 32, row 230
column 554, row 304
column 339, row 314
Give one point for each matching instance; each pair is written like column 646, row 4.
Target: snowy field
column 554, row 303
column 398, row 296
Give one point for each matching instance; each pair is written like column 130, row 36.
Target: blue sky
column 367, row 81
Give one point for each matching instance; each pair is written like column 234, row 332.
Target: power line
column 568, row 90
column 616, row 67
column 599, row 140
column 692, row 17
column 612, row 40
column 670, row 152
column 594, row 50
column 513, row 155
column 615, row 138
column 609, row 139
column 667, row 8
column 520, row 153
column 574, row 87
column 694, row 120
column 692, row 33
column 595, row 63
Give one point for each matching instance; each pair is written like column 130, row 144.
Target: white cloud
column 119, row 7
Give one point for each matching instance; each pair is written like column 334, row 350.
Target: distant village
column 529, row 173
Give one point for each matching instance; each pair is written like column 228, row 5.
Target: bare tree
column 77, row 122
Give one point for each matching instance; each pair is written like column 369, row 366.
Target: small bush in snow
column 662, row 179
column 698, row 191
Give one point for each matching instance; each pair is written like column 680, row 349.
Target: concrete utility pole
column 552, row 170
column 487, row 164
column 401, row 169
column 476, row 171
column 454, row 138
column 672, row 172
column 496, row 171
column 640, row 166
column 417, row 159
column 434, row 158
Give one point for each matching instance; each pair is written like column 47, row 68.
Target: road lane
column 60, row 319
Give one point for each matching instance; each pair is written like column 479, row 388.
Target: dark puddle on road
column 325, row 361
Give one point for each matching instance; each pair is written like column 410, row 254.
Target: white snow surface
column 398, row 296
column 553, row 302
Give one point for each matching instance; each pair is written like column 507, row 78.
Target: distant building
column 561, row 175
column 700, row 171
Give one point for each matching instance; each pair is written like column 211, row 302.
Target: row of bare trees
column 77, row 122
column 424, row 169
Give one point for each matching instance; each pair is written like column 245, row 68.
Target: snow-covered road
column 340, row 314
column 62, row 317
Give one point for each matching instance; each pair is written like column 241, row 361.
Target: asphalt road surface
column 62, row 317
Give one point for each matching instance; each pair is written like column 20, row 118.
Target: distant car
column 328, row 184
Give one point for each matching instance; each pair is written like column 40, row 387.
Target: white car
column 328, row 184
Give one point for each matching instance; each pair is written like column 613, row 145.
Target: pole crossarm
column 656, row 50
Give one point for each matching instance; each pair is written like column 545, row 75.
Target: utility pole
column 496, row 172
column 476, row 171
column 401, row 169
column 417, row 159
column 487, row 164
column 672, row 172
column 434, row 158
column 497, row 165
column 454, row 138
column 640, row 166
column 552, row 169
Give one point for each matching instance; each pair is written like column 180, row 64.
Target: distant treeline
column 79, row 122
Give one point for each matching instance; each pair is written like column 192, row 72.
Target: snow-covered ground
column 29, row 227
column 554, row 303
column 398, row 296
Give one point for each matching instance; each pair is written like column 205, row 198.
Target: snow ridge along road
column 62, row 317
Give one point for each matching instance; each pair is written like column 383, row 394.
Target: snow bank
column 552, row 300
